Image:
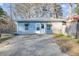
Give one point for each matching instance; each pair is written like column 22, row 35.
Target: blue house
column 38, row 26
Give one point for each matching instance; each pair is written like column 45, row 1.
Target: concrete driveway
column 30, row 45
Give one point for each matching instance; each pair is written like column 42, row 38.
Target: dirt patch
column 69, row 46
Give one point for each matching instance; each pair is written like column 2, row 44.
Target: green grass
column 61, row 36
column 76, row 40
column 4, row 39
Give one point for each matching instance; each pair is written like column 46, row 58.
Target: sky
column 65, row 8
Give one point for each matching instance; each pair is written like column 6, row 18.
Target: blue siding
column 21, row 28
column 32, row 28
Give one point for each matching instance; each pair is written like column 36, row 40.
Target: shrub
column 4, row 39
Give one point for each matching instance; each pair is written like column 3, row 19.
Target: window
column 26, row 26
column 49, row 26
column 42, row 25
column 38, row 28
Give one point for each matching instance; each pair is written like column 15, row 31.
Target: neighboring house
column 72, row 26
column 39, row 26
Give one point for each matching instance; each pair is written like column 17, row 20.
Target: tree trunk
column 0, row 35
column 70, row 9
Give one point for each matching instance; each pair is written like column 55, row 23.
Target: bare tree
column 57, row 10
column 70, row 9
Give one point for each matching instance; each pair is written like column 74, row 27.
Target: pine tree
column 70, row 9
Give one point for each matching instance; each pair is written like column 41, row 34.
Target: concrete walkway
column 31, row 45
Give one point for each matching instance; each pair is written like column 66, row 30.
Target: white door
column 37, row 28
column 40, row 28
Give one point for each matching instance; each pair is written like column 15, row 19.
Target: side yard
column 5, row 37
column 67, row 44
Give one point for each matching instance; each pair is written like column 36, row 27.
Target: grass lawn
column 4, row 38
column 67, row 44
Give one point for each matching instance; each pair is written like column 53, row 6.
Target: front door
column 40, row 28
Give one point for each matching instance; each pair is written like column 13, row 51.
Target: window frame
column 42, row 26
column 26, row 26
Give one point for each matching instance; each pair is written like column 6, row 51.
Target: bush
column 4, row 39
